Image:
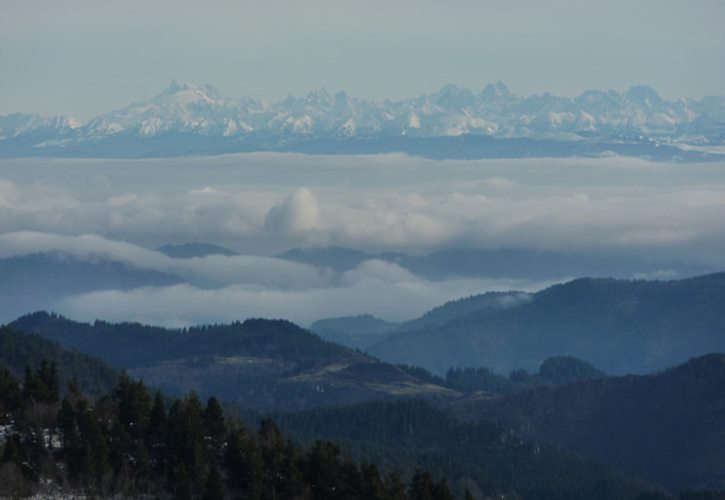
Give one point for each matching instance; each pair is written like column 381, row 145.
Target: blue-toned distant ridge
column 187, row 119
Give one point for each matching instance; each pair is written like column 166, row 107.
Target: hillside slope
column 261, row 364
column 620, row 326
column 667, row 427
column 481, row 456
column 20, row 350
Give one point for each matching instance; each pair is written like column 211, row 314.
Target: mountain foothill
column 596, row 385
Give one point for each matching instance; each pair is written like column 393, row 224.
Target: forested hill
column 262, row 364
column 620, row 326
column 482, row 456
column 129, row 443
column 667, row 427
column 20, row 350
column 130, row 345
column 132, row 444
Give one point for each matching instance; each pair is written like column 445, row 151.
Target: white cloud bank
column 382, row 289
column 221, row 288
column 259, row 204
column 297, row 213
column 254, row 203
column 210, row 272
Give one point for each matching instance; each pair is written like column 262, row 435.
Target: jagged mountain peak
column 179, row 88
column 644, row 95
column 342, row 98
column 598, row 97
column 494, row 91
column 177, row 85
column 200, row 110
column 19, row 124
column 452, row 89
column 319, row 97
column 452, row 96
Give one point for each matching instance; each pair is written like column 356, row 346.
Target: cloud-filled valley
column 394, row 207
column 225, row 288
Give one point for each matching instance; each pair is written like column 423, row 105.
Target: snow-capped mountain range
column 198, row 113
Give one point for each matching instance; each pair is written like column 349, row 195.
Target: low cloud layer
column 220, row 288
column 260, row 204
column 395, row 298
column 209, row 272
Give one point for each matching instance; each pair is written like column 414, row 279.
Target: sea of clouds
column 263, row 204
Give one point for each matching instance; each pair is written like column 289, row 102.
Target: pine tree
column 214, row 425
column 194, row 453
column 323, row 469
column 243, row 462
column 134, row 406
column 157, row 421
column 394, row 487
column 12, row 452
column 9, row 393
column 421, row 486
column 349, row 481
column 272, row 447
column 441, row 491
column 372, row 485
column 214, row 487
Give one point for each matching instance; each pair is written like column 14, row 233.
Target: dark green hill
column 364, row 331
column 481, row 456
column 134, row 444
column 130, row 345
column 669, row 427
column 620, row 326
column 19, row 350
column 557, row 370
column 263, row 364
column 561, row 370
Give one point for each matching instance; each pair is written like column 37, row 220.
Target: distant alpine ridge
column 453, row 122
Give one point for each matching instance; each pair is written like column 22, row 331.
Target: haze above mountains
column 195, row 119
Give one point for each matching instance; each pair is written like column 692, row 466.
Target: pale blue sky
column 84, row 57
